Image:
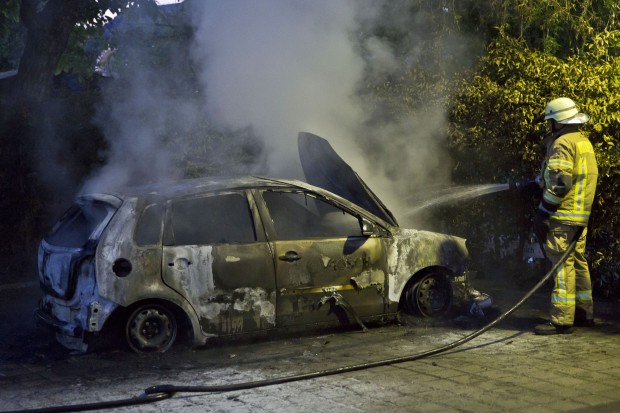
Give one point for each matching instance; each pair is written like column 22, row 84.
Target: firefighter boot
column 585, row 322
column 550, row 328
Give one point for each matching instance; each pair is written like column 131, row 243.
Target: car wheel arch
column 413, row 295
column 185, row 326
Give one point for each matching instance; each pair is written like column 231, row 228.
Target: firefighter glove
column 541, row 225
column 528, row 188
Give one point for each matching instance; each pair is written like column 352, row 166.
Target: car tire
column 429, row 297
column 151, row 328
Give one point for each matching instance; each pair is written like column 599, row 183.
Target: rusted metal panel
column 231, row 287
column 322, row 269
column 410, row 251
column 144, row 280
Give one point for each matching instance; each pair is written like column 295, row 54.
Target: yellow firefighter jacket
column 569, row 175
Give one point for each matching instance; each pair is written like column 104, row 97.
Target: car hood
column 324, row 168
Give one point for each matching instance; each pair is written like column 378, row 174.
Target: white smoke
column 287, row 66
column 282, row 67
column 279, row 67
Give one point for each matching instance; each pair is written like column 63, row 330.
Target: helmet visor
column 575, row 120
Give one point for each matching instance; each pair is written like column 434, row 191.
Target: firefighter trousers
column 572, row 291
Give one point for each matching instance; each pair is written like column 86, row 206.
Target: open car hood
column 324, row 168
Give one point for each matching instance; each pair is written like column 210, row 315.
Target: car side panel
column 229, row 283
column 230, row 286
column 144, row 280
column 326, row 285
column 327, row 280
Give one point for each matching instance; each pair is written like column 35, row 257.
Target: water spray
column 456, row 194
column 453, row 194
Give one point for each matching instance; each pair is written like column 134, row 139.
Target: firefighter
column 568, row 181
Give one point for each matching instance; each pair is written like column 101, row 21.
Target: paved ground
column 507, row 369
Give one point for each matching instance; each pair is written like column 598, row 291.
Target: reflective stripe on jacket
column 570, row 174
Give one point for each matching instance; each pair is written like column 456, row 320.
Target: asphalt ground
column 506, row 369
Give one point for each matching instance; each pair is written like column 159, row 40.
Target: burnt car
column 214, row 257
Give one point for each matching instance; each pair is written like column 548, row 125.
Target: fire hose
column 166, row 391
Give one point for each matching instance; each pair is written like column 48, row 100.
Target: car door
column 215, row 254
column 327, row 271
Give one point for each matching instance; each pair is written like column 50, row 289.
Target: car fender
column 125, row 290
column 410, row 251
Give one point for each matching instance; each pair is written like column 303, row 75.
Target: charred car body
column 211, row 257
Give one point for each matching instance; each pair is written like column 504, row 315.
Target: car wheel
column 151, row 328
column 431, row 296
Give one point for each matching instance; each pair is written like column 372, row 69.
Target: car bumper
column 47, row 320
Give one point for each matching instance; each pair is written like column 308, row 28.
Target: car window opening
column 297, row 215
column 78, row 224
column 220, row 219
column 149, row 225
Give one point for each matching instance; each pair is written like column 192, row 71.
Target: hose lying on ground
column 166, row 391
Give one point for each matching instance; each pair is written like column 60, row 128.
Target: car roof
column 172, row 189
column 189, row 187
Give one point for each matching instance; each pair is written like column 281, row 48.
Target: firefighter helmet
column 564, row 110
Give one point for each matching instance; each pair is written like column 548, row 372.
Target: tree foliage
column 556, row 27
column 11, row 35
column 30, row 109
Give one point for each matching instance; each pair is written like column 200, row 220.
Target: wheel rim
column 151, row 328
column 432, row 295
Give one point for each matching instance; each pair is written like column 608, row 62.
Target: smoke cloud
column 277, row 67
column 283, row 67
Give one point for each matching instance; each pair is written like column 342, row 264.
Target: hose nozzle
column 523, row 184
